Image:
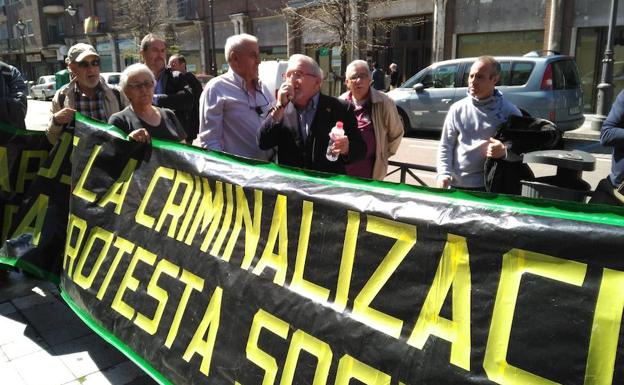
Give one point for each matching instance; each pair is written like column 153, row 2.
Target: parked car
column 111, row 78
column 204, row 79
column 44, row 88
column 548, row 87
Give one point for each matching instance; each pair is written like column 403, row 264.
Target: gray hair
column 235, row 42
column 393, row 66
column 357, row 63
column 495, row 67
column 132, row 70
column 148, row 39
column 314, row 67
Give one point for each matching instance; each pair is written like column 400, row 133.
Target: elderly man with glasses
column 233, row 105
column 300, row 123
column 86, row 93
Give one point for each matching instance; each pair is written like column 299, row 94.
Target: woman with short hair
column 141, row 120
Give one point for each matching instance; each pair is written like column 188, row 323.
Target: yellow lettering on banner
column 123, row 247
column 141, row 217
column 131, row 283
column 33, row 220
column 7, row 220
column 314, row 346
column 22, row 173
column 349, row 367
column 299, row 284
column 605, row 329
column 159, row 294
column 252, row 227
column 197, row 193
column 80, row 190
column 264, row 320
column 5, row 182
column 279, row 228
column 227, row 221
column 210, row 213
column 346, row 262
column 71, row 251
column 515, row 263
column 453, row 270
column 97, row 233
column 210, row 324
column 406, row 239
column 192, row 282
column 63, row 147
column 171, row 208
column 117, row 193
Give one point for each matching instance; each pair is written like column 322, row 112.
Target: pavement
column 42, row 342
column 585, row 132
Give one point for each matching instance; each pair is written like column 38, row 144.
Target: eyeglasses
column 145, row 84
column 258, row 108
column 92, row 63
column 298, row 75
column 359, row 76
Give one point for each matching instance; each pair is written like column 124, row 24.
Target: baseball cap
column 79, row 51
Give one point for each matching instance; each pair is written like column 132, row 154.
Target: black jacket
column 521, row 134
column 291, row 149
column 180, row 97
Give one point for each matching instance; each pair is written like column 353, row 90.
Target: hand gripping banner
column 209, row 269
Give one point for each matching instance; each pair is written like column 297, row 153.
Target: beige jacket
column 111, row 105
column 388, row 130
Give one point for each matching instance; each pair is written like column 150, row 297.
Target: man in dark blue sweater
column 610, row 190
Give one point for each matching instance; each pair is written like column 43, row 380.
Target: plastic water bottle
column 336, row 132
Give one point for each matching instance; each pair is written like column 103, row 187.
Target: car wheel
column 405, row 120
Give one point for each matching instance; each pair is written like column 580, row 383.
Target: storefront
column 128, row 52
column 590, row 46
column 516, row 43
column 105, row 50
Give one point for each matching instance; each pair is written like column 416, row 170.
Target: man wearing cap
column 86, row 93
column 172, row 89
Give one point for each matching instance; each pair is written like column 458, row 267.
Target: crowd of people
column 237, row 114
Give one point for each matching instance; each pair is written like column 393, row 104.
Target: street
column 419, row 149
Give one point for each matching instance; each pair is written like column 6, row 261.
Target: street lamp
column 71, row 10
column 605, row 88
column 213, row 59
column 21, row 27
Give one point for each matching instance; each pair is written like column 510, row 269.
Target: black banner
column 207, row 269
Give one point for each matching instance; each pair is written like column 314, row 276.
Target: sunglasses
column 92, row 63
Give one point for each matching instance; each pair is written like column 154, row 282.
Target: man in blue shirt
column 610, row 190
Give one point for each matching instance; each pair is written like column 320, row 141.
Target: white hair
column 132, row 70
column 357, row 63
column 235, row 42
column 393, row 66
column 314, row 67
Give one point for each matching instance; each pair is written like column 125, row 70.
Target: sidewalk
column 42, row 342
column 585, row 132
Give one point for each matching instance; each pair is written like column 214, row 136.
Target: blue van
column 547, row 87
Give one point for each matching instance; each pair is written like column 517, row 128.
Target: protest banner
column 209, row 269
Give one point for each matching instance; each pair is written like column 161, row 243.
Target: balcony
column 53, row 7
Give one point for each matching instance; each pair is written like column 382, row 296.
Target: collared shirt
column 91, row 107
column 230, row 117
column 363, row 114
column 306, row 116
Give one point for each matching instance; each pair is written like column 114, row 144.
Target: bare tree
column 141, row 17
column 344, row 21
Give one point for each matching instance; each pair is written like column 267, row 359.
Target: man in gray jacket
column 86, row 93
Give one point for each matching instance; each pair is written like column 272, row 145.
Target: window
column 4, row 32
column 504, row 74
column 100, row 10
column 565, row 75
column 520, row 73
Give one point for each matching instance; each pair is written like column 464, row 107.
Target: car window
column 443, row 76
column 565, row 75
column 520, row 73
column 504, row 79
column 113, row 79
column 418, row 78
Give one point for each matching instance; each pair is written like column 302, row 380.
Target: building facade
column 415, row 33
